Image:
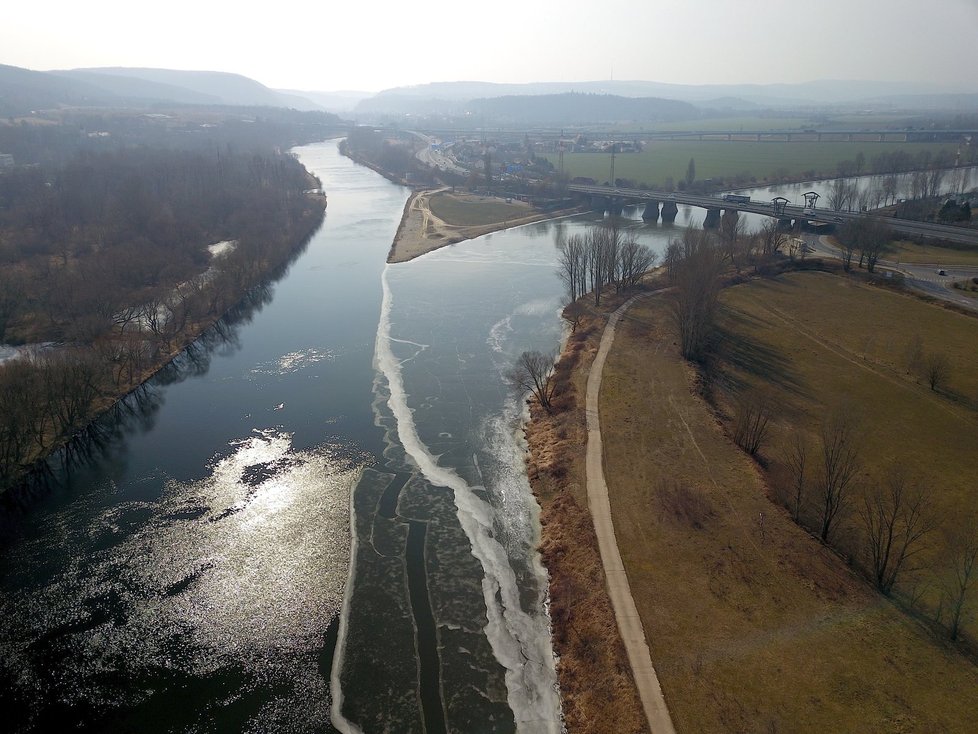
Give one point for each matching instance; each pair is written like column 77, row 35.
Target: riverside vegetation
column 792, row 503
column 105, row 272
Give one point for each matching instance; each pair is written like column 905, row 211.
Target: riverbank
column 595, row 678
column 741, row 608
column 421, row 230
column 131, row 368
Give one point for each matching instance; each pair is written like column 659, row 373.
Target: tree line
column 603, row 257
column 107, row 257
column 881, row 518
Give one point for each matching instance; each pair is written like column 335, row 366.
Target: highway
column 434, row 158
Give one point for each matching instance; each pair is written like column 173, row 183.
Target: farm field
column 661, row 160
column 754, row 625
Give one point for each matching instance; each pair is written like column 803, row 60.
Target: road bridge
column 616, row 197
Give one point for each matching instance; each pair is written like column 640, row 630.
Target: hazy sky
column 371, row 45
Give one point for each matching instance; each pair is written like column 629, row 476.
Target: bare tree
column 634, row 260
column 795, row 455
column 876, row 238
column 842, row 195
column 751, row 423
column 847, row 243
column 961, row 567
column 572, row 265
column 572, row 314
column 935, row 178
column 936, row 369
column 840, row 462
column 534, row 373
column 895, row 524
column 731, row 233
column 772, row 237
column 694, row 266
column 890, row 187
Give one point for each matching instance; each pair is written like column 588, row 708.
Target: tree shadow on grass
column 751, row 357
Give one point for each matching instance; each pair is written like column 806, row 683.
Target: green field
column 770, row 122
column 715, row 158
column 746, row 122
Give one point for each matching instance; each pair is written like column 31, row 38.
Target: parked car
column 942, row 272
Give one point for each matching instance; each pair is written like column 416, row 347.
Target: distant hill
column 577, row 109
column 24, row 90
column 216, row 87
column 955, row 102
column 135, row 90
column 734, row 104
column 440, row 97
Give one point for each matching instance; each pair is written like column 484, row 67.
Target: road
column 433, row 158
column 824, row 216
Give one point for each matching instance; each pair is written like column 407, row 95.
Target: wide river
column 318, row 517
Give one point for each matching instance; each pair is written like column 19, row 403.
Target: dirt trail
column 629, row 623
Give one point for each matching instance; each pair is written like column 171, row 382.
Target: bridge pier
column 599, row 204
column 615, row 206
column 731, row 216
column 784, row 224
column 669, row 211
column 651, row 213
column 712, row 220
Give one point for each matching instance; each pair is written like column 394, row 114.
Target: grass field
column 812, row 342
column 475, row 211
column 744, row 122
column 770, row 122
column 753, row 625
column 664, row 159
column 910, row 252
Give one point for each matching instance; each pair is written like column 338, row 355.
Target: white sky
column 376, row 44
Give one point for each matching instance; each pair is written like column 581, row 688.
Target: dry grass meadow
column 754, row 626
column 468, row 211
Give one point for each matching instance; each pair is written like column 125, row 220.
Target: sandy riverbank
column 421, row 231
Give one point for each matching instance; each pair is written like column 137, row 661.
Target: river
column 336, row 468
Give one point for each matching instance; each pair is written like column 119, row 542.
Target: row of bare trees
column 894, row 527
column 603, row 257
column 870, row 237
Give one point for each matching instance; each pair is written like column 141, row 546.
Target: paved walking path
column 629, row 623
